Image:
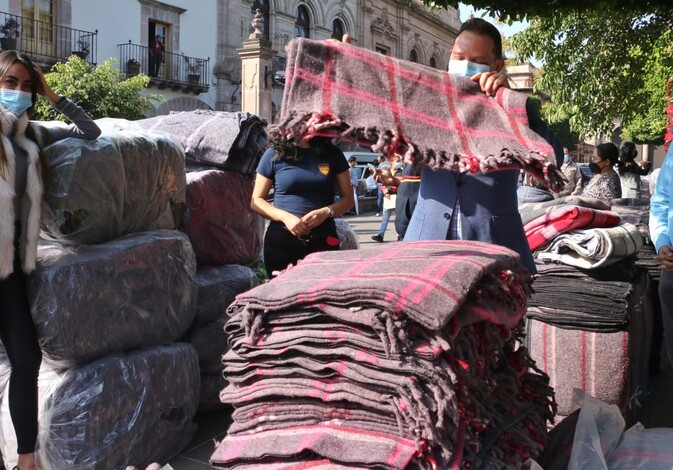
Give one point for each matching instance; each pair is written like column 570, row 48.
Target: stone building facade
column 401, row 28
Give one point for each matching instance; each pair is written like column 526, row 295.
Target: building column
column 257, row 72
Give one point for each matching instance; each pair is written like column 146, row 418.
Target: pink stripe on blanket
column 413, row 76
column 561, row 219
column 451, row 106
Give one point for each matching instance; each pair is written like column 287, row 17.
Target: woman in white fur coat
column 23, row 175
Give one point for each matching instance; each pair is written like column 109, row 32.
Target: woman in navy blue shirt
column 302, row 214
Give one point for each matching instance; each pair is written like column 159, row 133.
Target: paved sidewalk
column 656, row 404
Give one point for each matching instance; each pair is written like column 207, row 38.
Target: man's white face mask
column 465, row 68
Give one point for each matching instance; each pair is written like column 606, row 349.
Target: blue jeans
column 379, row 200
column 384, row 221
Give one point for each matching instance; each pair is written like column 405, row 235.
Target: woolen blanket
column 562, row 219
column 593, row 248
column 425, row 114
column 427, row 281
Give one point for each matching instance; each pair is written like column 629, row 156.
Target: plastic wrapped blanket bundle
column 220, row 224
column 114, row 412
column 133, row 292
column 121, row 183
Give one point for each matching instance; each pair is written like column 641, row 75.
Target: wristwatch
column 331, row 211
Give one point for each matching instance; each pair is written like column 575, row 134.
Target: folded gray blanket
column 426, row 281
column 593, row 248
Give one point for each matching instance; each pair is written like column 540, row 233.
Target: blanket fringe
column 297, row 128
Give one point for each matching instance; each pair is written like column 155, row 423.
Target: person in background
column 661, row 230
column 605, row 184
column 390, row 195
column 354, row 179
column 302, row 214
column 531, row 190
column 573, row 175
column 458, row 206
column 379, row 194
column 630, row 171
column 23, row 177
column 157, row 50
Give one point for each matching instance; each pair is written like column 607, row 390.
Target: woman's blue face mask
column 15, row 101
column 465, row 68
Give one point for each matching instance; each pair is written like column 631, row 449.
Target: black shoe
column 377, row 238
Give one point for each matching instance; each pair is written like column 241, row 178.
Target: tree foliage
column 509, row 11
column 102, row 91
column 601, row 68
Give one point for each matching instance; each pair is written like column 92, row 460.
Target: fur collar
column 13, row 135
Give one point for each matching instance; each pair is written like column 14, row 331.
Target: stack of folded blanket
column 400, row 356
column 593, row 330
column 579, row 231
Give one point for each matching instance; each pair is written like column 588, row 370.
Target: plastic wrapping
column 121, row 410
column 136, row 291
column 211, row 386
column 122, row 183
column 220, row 224
column 217, row 288
column 597, row 433
column 231, row 141
column 210, row 342
column 348, row 239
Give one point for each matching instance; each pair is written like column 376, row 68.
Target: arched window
column 302, row 26
column 263, row 6
column 433, row 62
column 338, row 29
column 413, row 55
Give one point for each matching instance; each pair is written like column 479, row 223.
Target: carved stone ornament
column 258, row 25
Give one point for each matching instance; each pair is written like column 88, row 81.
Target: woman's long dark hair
column 627, row 156
column 7, row 59
column 286, row 151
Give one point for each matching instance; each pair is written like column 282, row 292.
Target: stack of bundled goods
column 589, row 324
column 402, row 356
column 222, row 150
column 113, row 291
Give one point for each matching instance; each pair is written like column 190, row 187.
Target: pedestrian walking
column 355, row 180
column 390, row 195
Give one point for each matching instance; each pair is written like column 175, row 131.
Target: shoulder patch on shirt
column 323, row 168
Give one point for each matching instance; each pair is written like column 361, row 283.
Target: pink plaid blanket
column 562, row 219
column 426, row 281
column 427, row 115
column 348, row 446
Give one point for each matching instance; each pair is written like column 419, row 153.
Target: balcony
column 177, row 71
column 48, row 43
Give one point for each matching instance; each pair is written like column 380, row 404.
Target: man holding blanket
column 483, row 207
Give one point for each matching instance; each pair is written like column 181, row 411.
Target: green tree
column 103, row 91
column 511, row 11
column 603, row 67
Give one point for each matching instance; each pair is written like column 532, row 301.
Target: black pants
column 666, row 298
column 282, row 248
column 19, row 338
column 155, row 64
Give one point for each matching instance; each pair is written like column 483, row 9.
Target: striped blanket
column 558, row 220
column 593, row 248
column 402, row 107
column 427, row 281
column 333, row 362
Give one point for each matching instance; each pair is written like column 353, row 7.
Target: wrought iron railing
column 47, row 40
column 168, row 68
